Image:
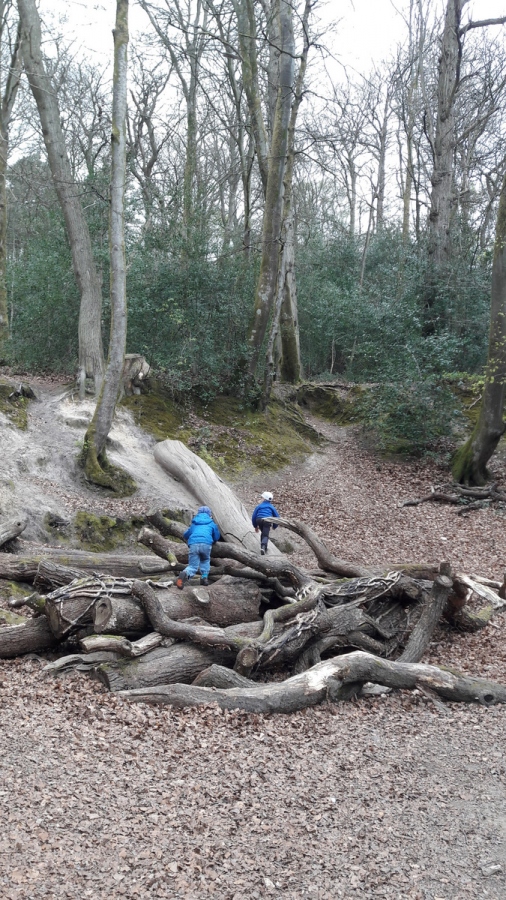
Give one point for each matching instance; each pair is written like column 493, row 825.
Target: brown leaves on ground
column 386, row 797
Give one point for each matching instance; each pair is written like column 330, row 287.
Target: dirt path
column 387, row 797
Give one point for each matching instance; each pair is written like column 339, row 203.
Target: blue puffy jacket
column 265, row 508
column 203, row 530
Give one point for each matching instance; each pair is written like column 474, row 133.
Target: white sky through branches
column 367, row 31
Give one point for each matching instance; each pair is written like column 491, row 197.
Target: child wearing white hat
column 264, row 509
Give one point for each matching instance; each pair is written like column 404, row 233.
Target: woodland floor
column 384, row 797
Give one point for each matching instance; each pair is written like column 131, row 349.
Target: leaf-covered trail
column 381, row 798
column 385, row 797
column 353, row 500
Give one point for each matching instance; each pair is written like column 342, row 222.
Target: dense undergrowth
column 364, row 320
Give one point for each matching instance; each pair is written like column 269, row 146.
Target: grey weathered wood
column 121, row 645
column 327, row 680
column 25, row 567
column 31, row 637
column 431, row 613
column 180, row 663
column 208, row 489
column 12, row 528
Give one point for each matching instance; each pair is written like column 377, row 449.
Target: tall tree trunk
column 445, row 139
column 96, row 466
column 9, row 95
column 91, row 355
column 470, row 463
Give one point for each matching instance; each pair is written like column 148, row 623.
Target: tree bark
column 119, row 615
column 97, row 468
column 229, row 602
column 35, row 635
column 91, row 355
column 207, row 488
column 11, row 82
column 272, row 217
column 327, row 681
column 25, row 568
column 12, row 529
column 431, row 613
column 471, row 460
column 445, row 138
column 180, row 663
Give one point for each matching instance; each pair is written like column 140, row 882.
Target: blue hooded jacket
column 203, row 530
column 265, row 508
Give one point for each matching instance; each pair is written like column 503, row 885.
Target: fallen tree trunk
column 119, row 616
column 432, row 611
column 12, row 528
column 326, row 560
column 31, row 637
column 208, row 489
column 268, row 566
column 326, row 681
column 180, row 663
column 24, row 568
column 228, row 602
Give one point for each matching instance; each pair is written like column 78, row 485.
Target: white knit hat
column 267, row 495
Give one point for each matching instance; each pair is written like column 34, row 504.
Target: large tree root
column 327, row 681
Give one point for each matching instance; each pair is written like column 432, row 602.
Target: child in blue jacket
column 200, row 537
column 265, row 508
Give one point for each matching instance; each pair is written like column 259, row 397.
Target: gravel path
column 385, row 797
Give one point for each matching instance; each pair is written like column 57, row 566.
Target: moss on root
column 98, row 470
column 16, row 409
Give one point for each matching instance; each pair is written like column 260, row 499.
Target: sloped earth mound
column 386, row 797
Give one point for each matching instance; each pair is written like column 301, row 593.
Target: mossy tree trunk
column 95, row 461
column 470, row 462
column 6, row 106
column 91, row 355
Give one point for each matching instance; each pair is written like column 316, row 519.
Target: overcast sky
column 367, row 29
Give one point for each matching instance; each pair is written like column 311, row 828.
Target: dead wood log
column 209, row 636
column 71, row 606
column 80, row 662
column 230, row 601
column 328, row 680
column 221, row 677
column 431, row 613
column 202, row 482
column 173, row 553
column 33, row 636
column 24, row 568
column 119, row 616
column 121, row 645
column 12, row 528
column 268, row 566
column 180, row 663
column 51, row 575
column 326, row 560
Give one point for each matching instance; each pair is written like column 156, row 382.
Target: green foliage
column 384, row 330
column 407, row 418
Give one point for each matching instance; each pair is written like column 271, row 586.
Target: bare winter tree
column 443, row 133
column 91, row 357
column 95, row 462
column 470, row 463
column 10, row 46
